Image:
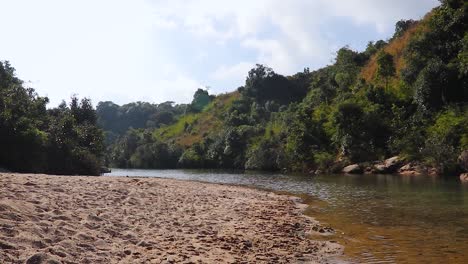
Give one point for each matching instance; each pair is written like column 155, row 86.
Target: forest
column 406, row 96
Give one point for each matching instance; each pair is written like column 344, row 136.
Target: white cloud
column 295, row 26
column 178, row 87
column 117, row 50
column 235, row 72
column 381, row 14
column 272, row 53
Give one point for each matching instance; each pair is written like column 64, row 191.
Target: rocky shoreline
column 398, row 165
column 393, row 165
column 79, row 219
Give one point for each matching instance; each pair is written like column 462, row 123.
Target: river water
column 378, row 218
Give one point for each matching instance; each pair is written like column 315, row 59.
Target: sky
column 163, row 50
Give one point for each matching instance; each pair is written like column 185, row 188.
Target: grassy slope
column 201, row 124
column 396, row 48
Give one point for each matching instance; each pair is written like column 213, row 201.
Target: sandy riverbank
column 146, row 220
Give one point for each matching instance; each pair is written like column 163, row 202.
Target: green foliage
column 385, row 66
column 435, row 58
column 263, row 84
column 154, row 155
column 201, row 99
column 192, row 158
column 432, row 84
column 447, row 138
column 63, row 140
column 75, row 142
column 451, row 127
column 360, row 133
column 402, row 26
column 267, row 155
column 373, row 48
column 324, row 160
column 139, row 149
column 115, row 120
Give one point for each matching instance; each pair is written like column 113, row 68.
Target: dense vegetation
column 405, row 96
column 63, row 140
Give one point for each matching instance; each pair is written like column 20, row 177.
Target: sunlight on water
column 384, row 218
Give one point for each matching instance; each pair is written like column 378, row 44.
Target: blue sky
column 161, row 50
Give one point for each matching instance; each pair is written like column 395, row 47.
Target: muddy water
column 379, row 218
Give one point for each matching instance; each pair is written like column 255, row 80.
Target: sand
column 60, row 219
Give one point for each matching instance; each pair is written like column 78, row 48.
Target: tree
column 385, row 66
column 75, row 141
column 201, row 99
column 402, row 26
column 263, row 84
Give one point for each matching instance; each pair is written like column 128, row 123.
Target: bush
column 265, row 156
column 191, row 159
column 324, row 160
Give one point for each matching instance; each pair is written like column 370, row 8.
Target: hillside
column 192, row 128
column 406, row 96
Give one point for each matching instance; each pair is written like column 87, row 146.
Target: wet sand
column 63, row 219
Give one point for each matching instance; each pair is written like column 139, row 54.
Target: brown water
column 379, row 218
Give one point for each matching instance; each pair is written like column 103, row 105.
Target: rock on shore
column 464, row 177
column 353, row 169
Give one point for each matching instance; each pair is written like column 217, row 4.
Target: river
column 378, row 218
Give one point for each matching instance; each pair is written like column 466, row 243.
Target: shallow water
column 379, row 218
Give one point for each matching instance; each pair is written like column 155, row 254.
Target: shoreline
column 152, row 220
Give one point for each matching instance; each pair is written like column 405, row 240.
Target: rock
column 433, row 172
column 369, row 170
column 392, row 161
column 380, row 168
column 463, row 160
column 41, row 258
column 388, row 166
column 412, row 169
column 105, row 170
column 352, row 169
column 407, row 167
column 247, row 244
column 464, row 177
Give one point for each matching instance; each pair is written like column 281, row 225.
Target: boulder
column 410, row 169
column 463, row 160
column 415, row 168
column 380, row 168
column 406, row 167
column 464, row 177
column 390, row 165
column 352, row 169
